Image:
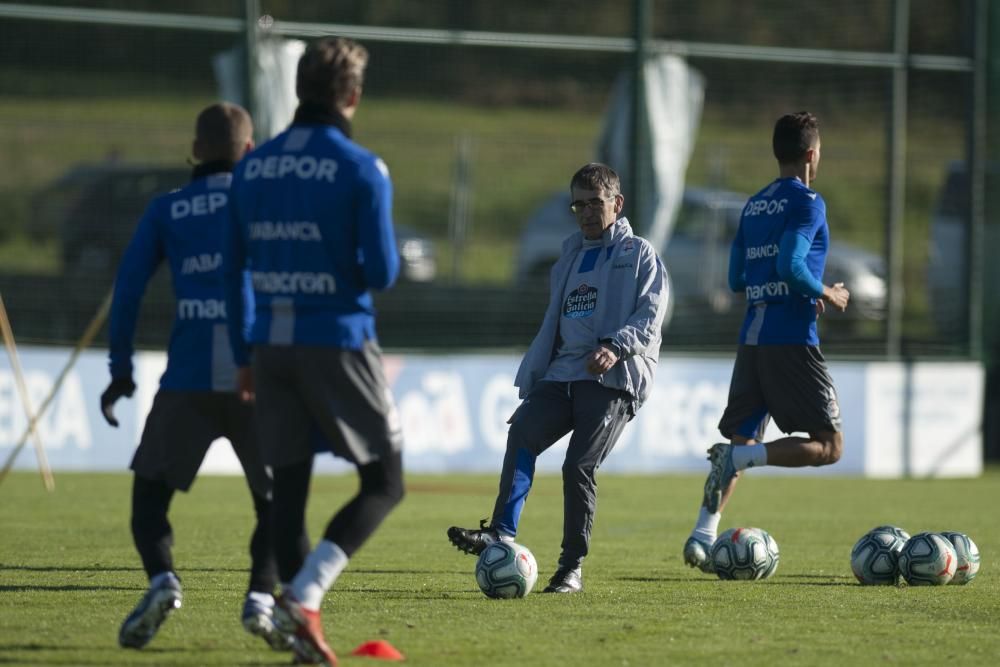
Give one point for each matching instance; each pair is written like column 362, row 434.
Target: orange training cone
column 380, row 649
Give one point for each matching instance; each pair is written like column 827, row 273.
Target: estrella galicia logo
column 581, row 302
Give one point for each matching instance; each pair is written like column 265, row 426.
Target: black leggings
column 381, row 490
column 154, row 537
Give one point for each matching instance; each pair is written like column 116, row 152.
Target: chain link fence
column 483, row 111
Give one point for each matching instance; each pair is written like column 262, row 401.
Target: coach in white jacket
column 588, row 369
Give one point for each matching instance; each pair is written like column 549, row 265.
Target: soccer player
column 312, row 219
column 777, row 259
column 588, row 369
column 197, row 400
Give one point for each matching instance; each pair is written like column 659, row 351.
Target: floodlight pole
column 642, row 18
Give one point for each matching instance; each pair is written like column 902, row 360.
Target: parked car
column 94, row 209
column 948, row 262
column 697, row 257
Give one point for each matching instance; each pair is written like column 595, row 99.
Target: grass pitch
column 69, row 575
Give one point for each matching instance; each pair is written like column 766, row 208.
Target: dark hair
column 596, row 176
column 222, row 131
column 330, row 70
column 794, row 134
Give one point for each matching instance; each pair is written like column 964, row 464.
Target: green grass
column 69, row 575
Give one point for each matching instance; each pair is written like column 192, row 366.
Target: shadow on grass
column 72, row 655
column 67, row 568
column 687, row 580
column 26, row 588
column 409, row 571
column 73, row 659
column 109, row 568
column 779, row 580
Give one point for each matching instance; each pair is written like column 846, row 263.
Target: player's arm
column 238, row 293
column 643, row 325
column 380, row 257
column 792, row 252
column 140, row 261
column 737, row 263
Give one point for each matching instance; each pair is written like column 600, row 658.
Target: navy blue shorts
column 789, row 383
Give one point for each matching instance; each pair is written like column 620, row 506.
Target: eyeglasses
column 579, row 206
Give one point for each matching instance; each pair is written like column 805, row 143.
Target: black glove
column 119, row 387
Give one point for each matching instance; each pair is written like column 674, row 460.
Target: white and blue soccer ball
column 506, row 570
column 745, row 553
column 968, row 557
column 875, row 557
column 928, row 559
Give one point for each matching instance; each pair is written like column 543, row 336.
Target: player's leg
column 151, row 529
column 380, row 491
column 743, row 422
column 285, row 432
column 543, row 417
column 799, row 394
column 821, row 448
column 173, row 444
column 257, row 615
column 349, row 401
column 284, row 438
column 153, row 539
column 599, row 417
column 801, row 397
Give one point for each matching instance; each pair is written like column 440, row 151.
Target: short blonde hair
column 331, row 70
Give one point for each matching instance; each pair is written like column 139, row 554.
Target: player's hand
column 245, row 384
column 820, row 307
column 837, row 295
column 601, row 360
column 119, row 387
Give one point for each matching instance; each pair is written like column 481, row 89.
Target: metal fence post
column 977, row 178
column 642, row 18
column 251, row 14
column 896, row 145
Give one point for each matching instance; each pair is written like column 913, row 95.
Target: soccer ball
column 968, row 557
column 895, row 530
column 928, row 559
column 874, row 558
column 745, row 553
column 506, row 570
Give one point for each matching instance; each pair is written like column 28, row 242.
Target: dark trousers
column 154, row 537
column 596, row 415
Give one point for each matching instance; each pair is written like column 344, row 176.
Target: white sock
column 707, row 527
column 321, row 569
column 749, row 456
column 264, row 599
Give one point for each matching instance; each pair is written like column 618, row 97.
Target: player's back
column 314, row 212
column 777, row 314
column 185, row 228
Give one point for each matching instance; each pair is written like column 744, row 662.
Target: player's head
column 331, row 73
column 796, row 141
column 222, row 131
column 596, row 199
